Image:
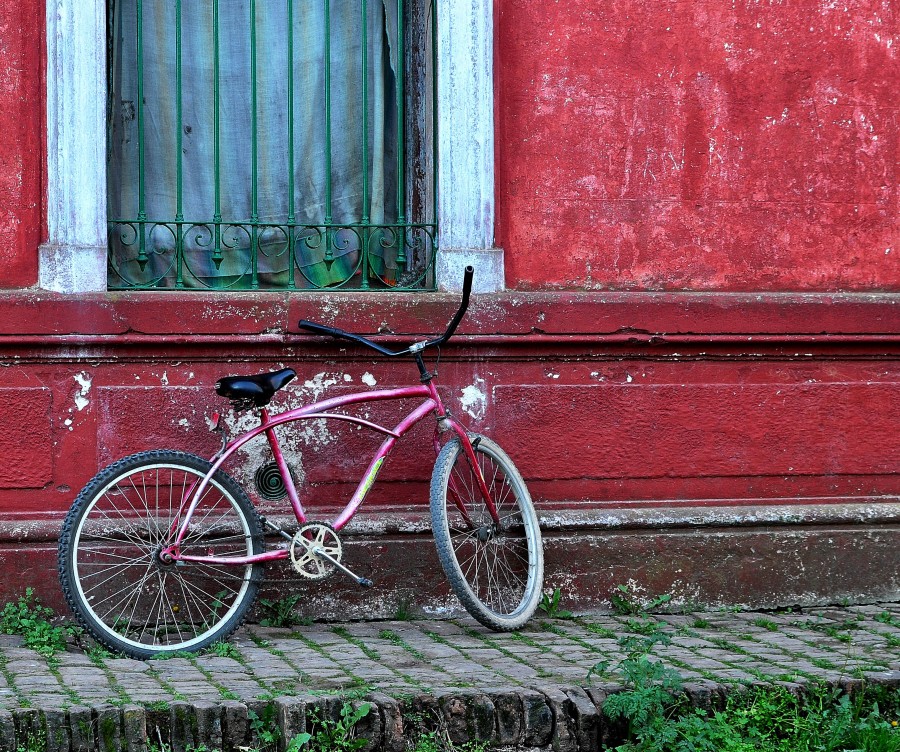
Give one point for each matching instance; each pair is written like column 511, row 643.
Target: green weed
column 625, row 601
column 598, row 630
column 839, row 631
column 339, row 735
column 550, row 605
column 404, row 611
column 223, row 649
column 97, row 654
column 642, row 626
column 27, row 617
column 772, row 719
column 264, row 727
column 885, row 617
column 167, row 655
column 34, row 743
column 280, row 612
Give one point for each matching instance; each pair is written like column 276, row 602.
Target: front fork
column 445, row 423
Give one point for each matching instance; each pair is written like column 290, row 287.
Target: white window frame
column 73, row 260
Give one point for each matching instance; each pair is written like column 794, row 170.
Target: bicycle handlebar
column 315, row 328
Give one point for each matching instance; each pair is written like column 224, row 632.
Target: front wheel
column 496, row 569
column 127, row 595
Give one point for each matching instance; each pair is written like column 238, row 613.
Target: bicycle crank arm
column 361, row 581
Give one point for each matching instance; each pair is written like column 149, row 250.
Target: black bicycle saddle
column 258, row 389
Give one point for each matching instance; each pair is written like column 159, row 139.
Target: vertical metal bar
column 291, row 217
column 217, row 146
column 434, row 119
column 179, row 168
column 142, row 188
column 364, row 282
column 329, row 213
column 254, row 155
column 399, row 78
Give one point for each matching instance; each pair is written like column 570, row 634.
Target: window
column 271, row 145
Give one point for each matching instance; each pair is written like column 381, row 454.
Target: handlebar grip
column 468, row 274
column 312, row 326
column 463, row 305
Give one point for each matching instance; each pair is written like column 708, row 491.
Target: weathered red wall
column 676, row 145
column 698, row 145
column 22, row 100
column 658, row 433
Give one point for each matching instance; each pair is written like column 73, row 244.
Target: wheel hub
column 485, row 533
column 163, row 558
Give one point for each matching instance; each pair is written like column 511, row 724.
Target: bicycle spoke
column 490, row 561
column 132, row 597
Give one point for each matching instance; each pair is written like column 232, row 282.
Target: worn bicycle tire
column 88, row 499
column 462, row 582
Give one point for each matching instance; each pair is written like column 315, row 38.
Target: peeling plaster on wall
column 448, row 608
column 318, row 384
column 81, row 399
column 474, row 399
column 295, row 439
column 256, row 452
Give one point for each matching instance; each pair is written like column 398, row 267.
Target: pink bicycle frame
column 317, row 410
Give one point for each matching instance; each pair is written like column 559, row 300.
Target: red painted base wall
column 698, row 145
column 659, row 433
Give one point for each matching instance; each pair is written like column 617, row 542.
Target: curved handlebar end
column 468, row 274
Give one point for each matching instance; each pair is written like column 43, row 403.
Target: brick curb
column 564, row 719
column 527, row 690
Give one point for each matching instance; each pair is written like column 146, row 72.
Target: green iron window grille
column 271, row 144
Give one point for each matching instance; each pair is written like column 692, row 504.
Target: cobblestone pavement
column 408, row 658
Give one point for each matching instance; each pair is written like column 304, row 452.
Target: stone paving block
column 290, row 714
column 209, row 723
column 509, row 712
column 29, row 728
column 81, row 729
column 108, row 728
column 888, row 677
column 235, row 725
column 134, row 729
column 500, row 670
column 56, row 730
column 393, row 729
column 468, row 715
column 609, row 733
column 565, row 737
column 370, row 727
column 585, row 718
column 7, row 730
column 158, row 720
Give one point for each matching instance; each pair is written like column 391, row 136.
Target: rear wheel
column 496, row 569
column 110, row 567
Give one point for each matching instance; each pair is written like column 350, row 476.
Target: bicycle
column 163, row 551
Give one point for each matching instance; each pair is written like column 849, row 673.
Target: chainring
column 306, row 561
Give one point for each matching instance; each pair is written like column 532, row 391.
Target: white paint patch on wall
column 81, row 397
column 474, row 399
column 318, row 384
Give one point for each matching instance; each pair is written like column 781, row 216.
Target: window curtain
column 170, row 162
